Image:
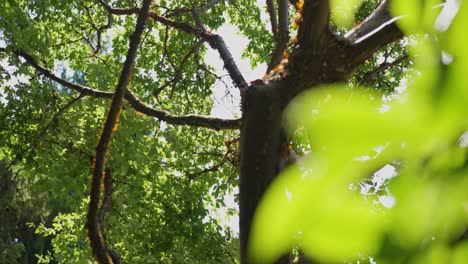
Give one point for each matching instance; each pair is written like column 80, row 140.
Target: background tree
column 168, row 160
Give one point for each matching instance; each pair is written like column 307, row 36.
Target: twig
column 178, row 71
column 194, row 175
column 371, row 75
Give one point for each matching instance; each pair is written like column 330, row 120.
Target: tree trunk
column 260, row 153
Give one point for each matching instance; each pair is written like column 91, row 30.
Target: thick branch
column 136, row 103
column 215, row 41
column 314, row 39
column 315, row 14
column 100, row 250
column 323, row 57
column 376, row 31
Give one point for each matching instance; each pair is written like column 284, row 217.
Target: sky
column 227, row 105
column 227, row 98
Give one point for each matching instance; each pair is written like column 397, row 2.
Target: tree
column 152, row 175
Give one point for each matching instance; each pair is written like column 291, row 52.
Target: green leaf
column 343, row 11
column 418, row 16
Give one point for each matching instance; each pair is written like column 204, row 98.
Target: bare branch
column 376, row 31
column 99, row 33
column 136, row 103
column 190, row 120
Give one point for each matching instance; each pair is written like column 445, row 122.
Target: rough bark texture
column 102, row 253
column 260, row 145
column 320, row 56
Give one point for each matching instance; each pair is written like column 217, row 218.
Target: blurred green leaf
column 417, row 16
column 343, row 11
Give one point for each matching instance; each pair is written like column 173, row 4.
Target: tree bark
column 319, row 57
column 260, row 145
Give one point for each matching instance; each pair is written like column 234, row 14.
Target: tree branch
column 179, row 70
column 282, row 34
column 321, row 57
column 194, row 175
column 190, row 120
column 371, row 75
column 106, row 200
column 209, row 5
column 273, row 19
column 98, row 243
column 376, row 31
column 314, row 26
column 49, row 74
column 215, row 41
column 136, row 103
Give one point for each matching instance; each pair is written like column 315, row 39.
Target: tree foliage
column 167, row 164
